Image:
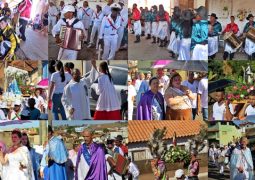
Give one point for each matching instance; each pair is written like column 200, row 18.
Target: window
column 119, row 77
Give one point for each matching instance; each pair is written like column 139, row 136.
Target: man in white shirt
column 222, row 109
column 163, row 80
column 75, row 98
column 109, row 32
column 85, row 14
column 107, row 8
column 133, row 170
column 249, row 107
column 192, row 84
column 53, row 13
column 124, row 22
column 60, row 9
column 138, row 82
column 131, row 99
column 97, row 19
column 202, row 97
column 70, row 21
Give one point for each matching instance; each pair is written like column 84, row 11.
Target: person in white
column 163, row 80
column 124, row 22
column 241, row 164
column 85, row 14
column 17, row 161
column 107, row 9
column 179, row 175
column 75, row 98
column 53, row 13
column 71, row 21
column 109, row 32
column 60, row 9
column 39, row 101
column 192, row 84
column 222, row 110
column 138, row 82
column 15, row 113
column 249, row 107
column 202, row 97
column 222, row 154
column 133, row 170
column 211, row 154
column 97, row 19
column 131, row 99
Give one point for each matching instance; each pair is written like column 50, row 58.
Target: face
column 148, row 76
column 198, row 18
column 114, row 13
column 3, row 24
column 117, row 143
column 244, row 142
column 85, row 4
column 5, row 5
column 212, row 19
column 31, row 103
column 232, row 19
column 77, row 75
column 134, row 6
column 15, row 139
column 191, row 76
column 154, row 85
column 177, row 81
column 16, row 108
column 87, row 137
column 160, row 72
column 37, row 92
column 252, row 100
column 109, row 146
column 251, row 19
column 62, row 3
column 68, row 15
column 219, row 96
column 129, row 83
column 165, row 71
column 24, row 140
column 110, row 1
column 77, row 147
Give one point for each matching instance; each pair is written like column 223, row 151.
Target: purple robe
column 144, row 106
column 97, row 165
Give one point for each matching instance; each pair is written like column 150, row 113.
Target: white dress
column 12, row 171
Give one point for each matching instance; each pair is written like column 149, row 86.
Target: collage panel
column 24, row 90
column 231, row 90
column 86, row 30
column 23, row 24
column 87, row 150
column 167, row 90
column 165, row 29
column 86, row 90
column 231, row 30
column 22, row 145
column 169, row 149
column 231, row 149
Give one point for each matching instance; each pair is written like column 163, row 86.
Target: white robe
column 76, row 96
column 83, row 168
column 249, row 46
column 184, row 50
column 200, row 52
column 213, row 46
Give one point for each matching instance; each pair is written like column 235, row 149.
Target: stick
column 99, row 52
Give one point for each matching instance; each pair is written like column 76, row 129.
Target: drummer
column 233, row 28
column 213, row 39
column 249, row 44
column 70, row 21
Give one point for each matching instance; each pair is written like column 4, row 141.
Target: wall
column 216, row 6
column 150, row 3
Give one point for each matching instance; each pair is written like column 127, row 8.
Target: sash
column 86, row 154
column 116, row 150
column 97, row 15
column 16, row 116
column 86, row 11
column 111, row 24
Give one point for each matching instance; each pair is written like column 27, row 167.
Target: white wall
column 216, row 6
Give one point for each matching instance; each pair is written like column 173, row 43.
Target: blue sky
column 9, row 125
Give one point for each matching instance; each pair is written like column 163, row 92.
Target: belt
column 113, row 34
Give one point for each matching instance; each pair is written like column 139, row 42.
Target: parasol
column 44, row 83
column 220, row 84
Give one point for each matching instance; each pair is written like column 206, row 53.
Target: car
column 119, row 75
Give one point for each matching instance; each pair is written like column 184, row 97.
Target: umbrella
column 220, row 84
column 43, row 83
column 196, row 66
column 161, row 63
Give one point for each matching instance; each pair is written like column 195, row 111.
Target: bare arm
column 242, row 112
column 52, row 85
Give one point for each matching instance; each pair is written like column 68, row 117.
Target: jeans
column 22, row 28
column 205, row 114
column 57, row 105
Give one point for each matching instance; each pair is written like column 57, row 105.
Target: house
column 248, row 129
column 223, row 132
column 139, row 133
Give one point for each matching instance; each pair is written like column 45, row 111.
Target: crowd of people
column 168, row 97
column 87, row 160
column 30, row 108
column 13, row 24
column 223, row 109
column 185, row 33
column 236, row 157
column 69, row 93
column 104, row 27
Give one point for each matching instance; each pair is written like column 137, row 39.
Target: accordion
column 70, row 38
column 121, row 163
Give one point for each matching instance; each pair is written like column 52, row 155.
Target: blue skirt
column 57, row 171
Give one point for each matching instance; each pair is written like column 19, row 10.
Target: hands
column 82, row 36
column 240, row 169
column 227, row 102
column 41, row 174
column 199, row 111
column 94, row 64
column 58, row 40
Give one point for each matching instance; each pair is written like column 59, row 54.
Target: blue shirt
column 216, row 29
column 246, row 27
column 199, row 33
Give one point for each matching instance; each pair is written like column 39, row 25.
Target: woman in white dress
column 17, row 161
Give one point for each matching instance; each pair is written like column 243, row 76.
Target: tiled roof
column 140, row 131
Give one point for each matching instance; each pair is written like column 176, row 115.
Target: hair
column 60, row 68
column 150, row 81
column 71, row 65
column 104, row 67
column 17, row 132
column 232, row 17
column 51, row 66
column 28, row 142
column 32, row 100
column 172, row 77
column 50, row 129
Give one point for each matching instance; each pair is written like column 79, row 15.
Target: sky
column 10, row 125
column 81, row 122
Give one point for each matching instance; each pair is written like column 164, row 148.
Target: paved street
column 213, row 172
column 35, row 47
column 84, row 54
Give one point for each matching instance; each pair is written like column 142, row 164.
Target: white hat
column 115, row 6
column 68, row 8
column 17, row 102
column 122, row 1
column 179, row 173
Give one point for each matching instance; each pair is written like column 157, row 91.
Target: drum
column 251, row 34
column 234, row 42
column 70, row 38
column 121, row 163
